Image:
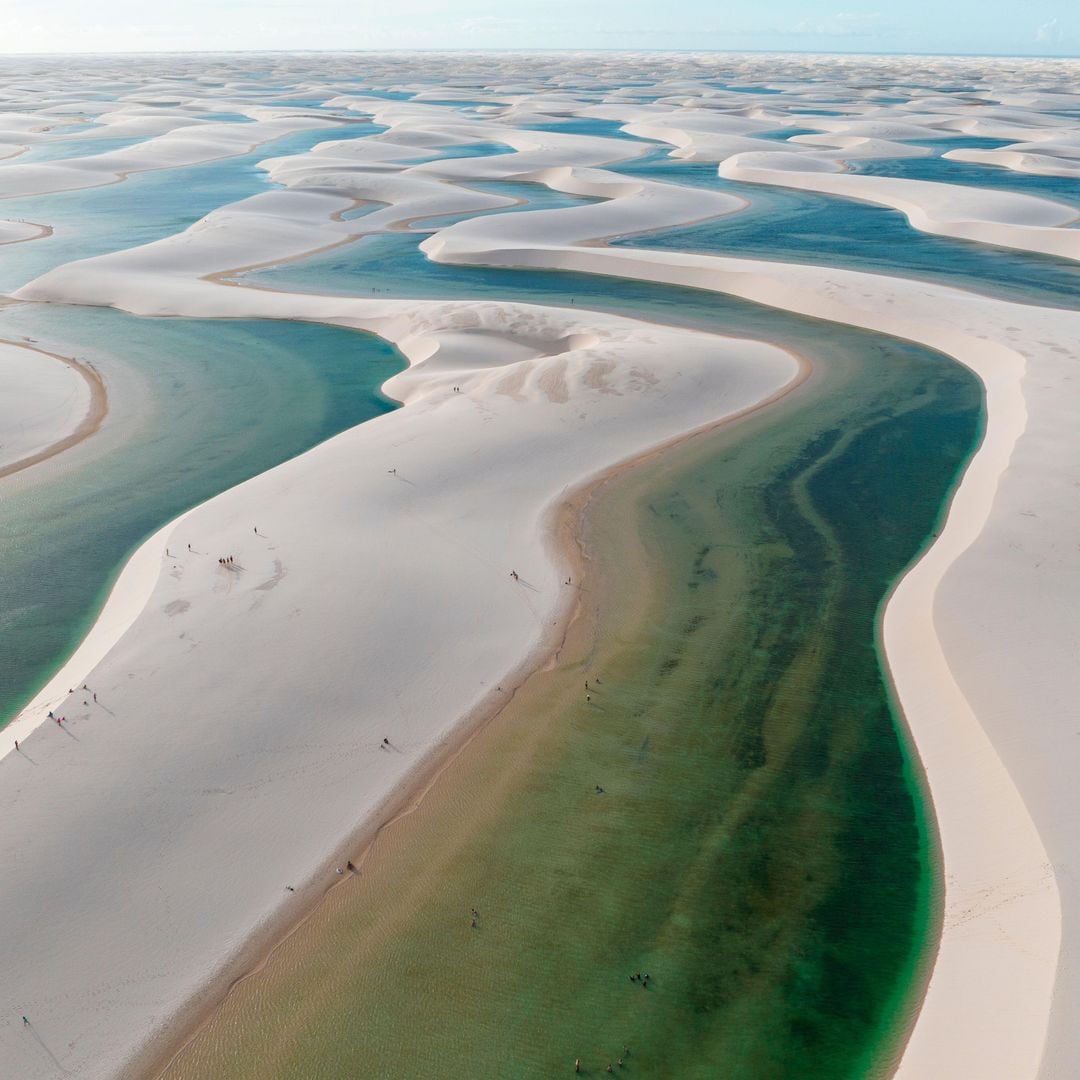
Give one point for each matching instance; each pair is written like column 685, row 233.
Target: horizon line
column 540, row 51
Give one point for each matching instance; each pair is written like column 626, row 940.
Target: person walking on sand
column 17, row 747
column 26, row 1023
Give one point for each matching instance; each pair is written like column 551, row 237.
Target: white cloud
column 1049, row 32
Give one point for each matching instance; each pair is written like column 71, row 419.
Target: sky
column 998, row 27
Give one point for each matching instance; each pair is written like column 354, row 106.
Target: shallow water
column 944, row 170
column 535, row 196
column 60, row 149
column 756, row 848
column 207, row 405
column 145, row 207
column 798, row 226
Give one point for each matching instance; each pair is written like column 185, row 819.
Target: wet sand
column 412, row 809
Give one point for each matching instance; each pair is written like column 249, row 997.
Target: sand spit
column 45, row 407
column 1010, row 220
column 369, row 553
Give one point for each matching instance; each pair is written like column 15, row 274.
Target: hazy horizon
column 919, row 27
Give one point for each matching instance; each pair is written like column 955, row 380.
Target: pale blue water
column 231, row 117
column 586, row 125
column 783, row 134
column 463, row 150
column 943, row 170
column 62, row 149
column 537, row 196
column 145, row 207
column 798, row 226
column 227, row 400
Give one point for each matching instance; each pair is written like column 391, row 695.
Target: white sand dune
column 203, row 811
column 1043, row 159
column 404, row 531
column 1004, row 948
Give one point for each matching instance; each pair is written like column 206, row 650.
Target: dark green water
column 217, row 402
column 762, row 855
column 758, row 848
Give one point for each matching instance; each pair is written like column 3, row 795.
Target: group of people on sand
column 227, row 561
column 62, row 720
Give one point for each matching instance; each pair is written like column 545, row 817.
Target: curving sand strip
column 1004, row 903
column 1010, row 220
column 372, row 551
column 1040, row 158
column 45, row 408
column 175, row 149
column 18, row 232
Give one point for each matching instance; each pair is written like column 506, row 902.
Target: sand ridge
column 549, row 397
